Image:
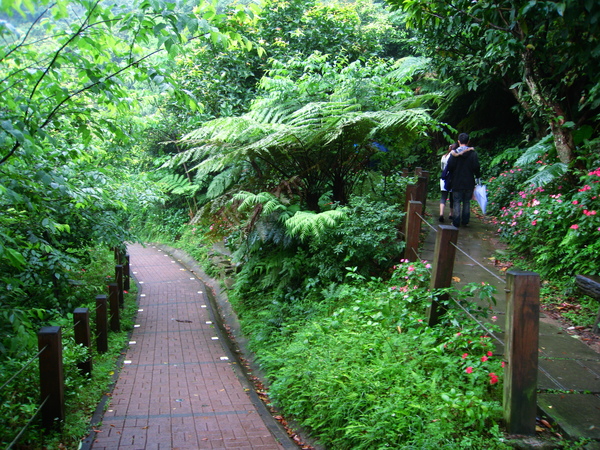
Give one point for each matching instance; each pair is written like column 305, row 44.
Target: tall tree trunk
column 563, row 138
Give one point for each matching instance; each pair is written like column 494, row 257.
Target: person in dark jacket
column 464, row 169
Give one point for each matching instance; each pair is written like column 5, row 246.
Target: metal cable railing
column 18, row 436
column 27, row 364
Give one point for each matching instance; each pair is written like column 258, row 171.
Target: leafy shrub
column 366, row 372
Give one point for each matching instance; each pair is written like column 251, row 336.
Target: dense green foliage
column 360, row 369
column 280, row 130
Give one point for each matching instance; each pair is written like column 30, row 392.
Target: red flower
column 493, row 378
column 484, row 358
column 489, row 353
column 464, row 356
column 469, row 369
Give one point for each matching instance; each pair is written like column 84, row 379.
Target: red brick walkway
column 177, row 388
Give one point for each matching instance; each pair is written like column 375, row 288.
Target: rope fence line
column 27, row 364
column 426, row 223
column 478, row 263
column 490, row 332
column 18, row 436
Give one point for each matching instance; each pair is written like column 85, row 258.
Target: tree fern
column 547, row 174
column 536, row 151
column 269, row 202
column 177, row 184
column 306, row 224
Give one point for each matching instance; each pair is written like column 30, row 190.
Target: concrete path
column 569, row 370
column 179, row 387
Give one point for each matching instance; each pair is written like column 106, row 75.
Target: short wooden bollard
column 113, row 304
column 126, row 274
column 443, row 266
column 101, row 324
column 119, row 282
column 522, row 336
column 83, row 336
column 51, row 376
column 413, row 229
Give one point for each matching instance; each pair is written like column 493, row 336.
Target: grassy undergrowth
column 362, row 370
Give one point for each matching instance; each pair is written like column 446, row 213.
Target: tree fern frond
column 306, row 224
column 221, row 182
column 535, row 152
column 548, row 174
column 269, row 202
column 177, row 184
column 406, row 68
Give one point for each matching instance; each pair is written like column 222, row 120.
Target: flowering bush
column 557, row 229
column 502, row 189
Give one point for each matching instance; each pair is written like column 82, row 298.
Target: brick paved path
column 177, row 388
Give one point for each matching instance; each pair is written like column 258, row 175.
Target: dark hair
column 463, row 138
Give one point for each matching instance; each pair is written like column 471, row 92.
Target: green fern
column 305, row 224
column 536, row 151
column 177, row 184
column 547, row 174
column 269, row 202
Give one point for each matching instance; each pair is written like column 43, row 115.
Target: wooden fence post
column 83, row 336
column 413, row 229
column 126, row 274
column 51, row 376
column 421, row 190
column 522, row 335
column 113, row 303
column 101, row 324
column 119, row 283
column 443, row 266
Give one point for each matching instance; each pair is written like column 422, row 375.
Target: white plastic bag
column 480, row 194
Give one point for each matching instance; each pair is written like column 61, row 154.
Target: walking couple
column 460, row 168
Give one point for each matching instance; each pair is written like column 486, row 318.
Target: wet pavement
column 180, row 386
column 569, row 370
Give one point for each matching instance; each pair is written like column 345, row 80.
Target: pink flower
column 575, row 202
column 493, row 378
column 534, row 222
column 465, row 355
column 574, row 227
column 469, row 369
column 428, row 266
column 494, row 318
column 411, row 268
column 489, row 353
column 484, row 358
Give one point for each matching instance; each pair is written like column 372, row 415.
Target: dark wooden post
column 119, row 283
column 83, row 336
column 421, row 191
column 413, row 229
column 405, row 172
column 113, row 303
column 51, row 376
column 126, row 274
column 443, row 266
column 418, row 171
column 101, row 324
column 522, row 334
column 117, row 253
